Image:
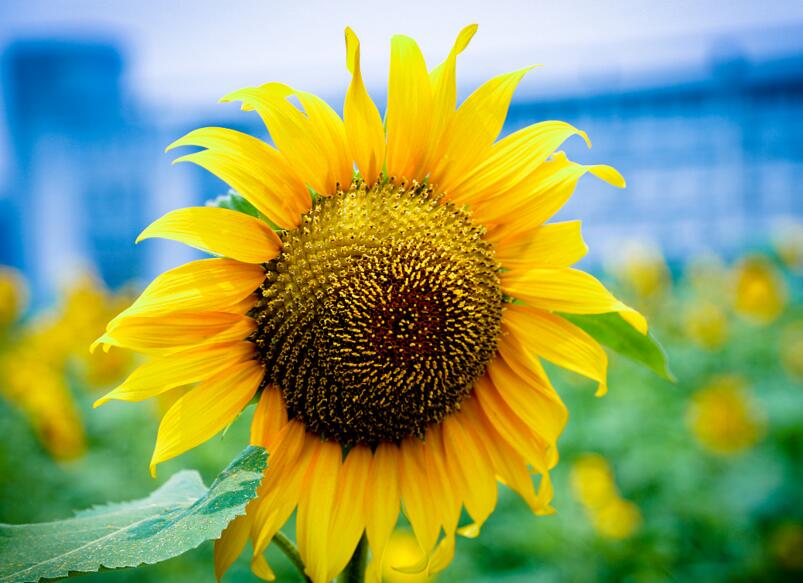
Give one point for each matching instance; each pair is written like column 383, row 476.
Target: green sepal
column 235, row 202
column 175, row 518
column 613, row 331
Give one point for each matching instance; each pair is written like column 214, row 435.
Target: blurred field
column 698, row 480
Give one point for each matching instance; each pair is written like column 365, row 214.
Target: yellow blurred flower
column 760, row 291
column 786, row 544
column 593, row 485
column 39, row 390
column 592, row 480
column 789, row 245
column 723, row 418
column 705, row 323
column 617, row 519
column 641, row 267
column 82, row 316
column 403, row 552
column 13, row 295
column 34, row 372
column 791, row 349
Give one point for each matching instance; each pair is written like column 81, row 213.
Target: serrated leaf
column 614, row 332
column 175, row 518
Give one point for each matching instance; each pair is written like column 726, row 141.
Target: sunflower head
column 380, row 313
column 388, row 301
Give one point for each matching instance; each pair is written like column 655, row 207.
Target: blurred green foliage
column 705, row 515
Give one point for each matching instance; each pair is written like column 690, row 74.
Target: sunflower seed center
column 380, row 314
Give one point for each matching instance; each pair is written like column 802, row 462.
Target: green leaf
column 177, row 517
column 233, row 201
column 236, row 202
column 614, row 332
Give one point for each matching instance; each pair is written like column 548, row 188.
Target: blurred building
column 713, row 159
column 77, row 163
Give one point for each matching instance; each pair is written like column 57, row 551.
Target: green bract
column 612, row 331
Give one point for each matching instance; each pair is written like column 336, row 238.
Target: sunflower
column 390, row 322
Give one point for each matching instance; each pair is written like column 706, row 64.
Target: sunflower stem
column 355, row 570
column 291, row 552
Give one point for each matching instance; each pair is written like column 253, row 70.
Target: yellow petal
column 269, row 419
column 314, row 144
column 205, row 411
column 444, row 88
column 252, row 168
column 177, row 331
column 561, row 290
column 530, row 445
column 382, row 499
column 470, row 467
column 512, row 160
column 218, row 231
column 558, row 341
column 330, row 133
column 509, row 466
column 279, row 492
column 441, row 485
column 521, row 382
column 419, row 505
column 443, row 555
column 542, row 413
column 409, row 111
column 261, row 568
column 468, row 138
column 231, row 543
column 348, row 514
column 608, row 174
column 527, row 204
column 364, row 129
column 556, row 244
column 206, row 284
column 635, row 319
column 163, row 373
column 315, row 509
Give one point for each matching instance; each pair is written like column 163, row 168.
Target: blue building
column 77, row 171
column 713, row 160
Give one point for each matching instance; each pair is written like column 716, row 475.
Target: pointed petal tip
column 608, row 174
column 546, row 511
column 261, row 568
column 469, row 531
column 103, row 340
column 414, row 568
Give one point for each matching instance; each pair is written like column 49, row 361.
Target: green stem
column 291, row 552
column 355, row 570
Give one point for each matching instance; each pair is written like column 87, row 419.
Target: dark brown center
column 380, row 314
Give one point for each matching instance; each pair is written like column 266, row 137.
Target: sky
column 192, row 52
